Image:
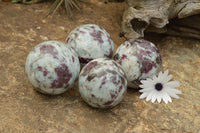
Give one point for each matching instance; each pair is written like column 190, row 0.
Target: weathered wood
column 187, row 27
column 155, row 15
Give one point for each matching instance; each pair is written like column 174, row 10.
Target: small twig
column 75, row 4
column 52, row 7
column 69, row 4
column 57, row 7
column 69, row 12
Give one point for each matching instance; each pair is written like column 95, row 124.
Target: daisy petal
column 168, row 97
column 160, row 75
column 175, row 91
column 143, row 81
column 143, row 95
column 165, row 73
column 159, row 98
column 153, row 99
column 148, row 79
column 149, row 96
column 167, row 79
column 145, row 89
column 175, row 96
column 165, row 98
column 145, row 85
column 172, row 94
column 172, row 84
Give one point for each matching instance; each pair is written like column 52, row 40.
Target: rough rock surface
column 24, row 110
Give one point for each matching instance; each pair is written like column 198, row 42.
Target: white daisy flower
column 159, row 88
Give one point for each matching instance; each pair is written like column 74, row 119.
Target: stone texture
column 24, row 110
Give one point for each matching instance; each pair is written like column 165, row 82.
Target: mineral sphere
column 90, row 41
column 102, row 83
column 140, row 59
column 52, row 67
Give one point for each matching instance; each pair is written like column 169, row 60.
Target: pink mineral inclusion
column 44, row 70
column 111, row 53
column 90, row 65
column 49, row 49
column 148, row 65
column 109, row 102
column 123, row 58
column 64, row 77
column 103, row 83
column 115, row 82
column 147, row 45
column 97, row 36
column 67, row 40
column 73, row 58
column 120, row 88
column 112, row 95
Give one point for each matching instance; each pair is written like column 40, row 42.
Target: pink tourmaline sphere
column 140, row 59
column 52, row 67
column 90, row 41
column 102, row 83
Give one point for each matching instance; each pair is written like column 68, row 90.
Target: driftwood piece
column 186, row 27
column 154, row 16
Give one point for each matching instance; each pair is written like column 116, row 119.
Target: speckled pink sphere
column 90, row 41
column 52, row 67
column 140, row 59
column 102, row 83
